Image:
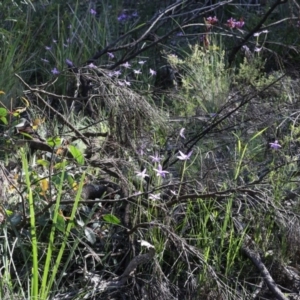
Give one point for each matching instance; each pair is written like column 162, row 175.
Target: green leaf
column 26, row 135
column 9, row 212
column 70, row 179
column 76, row 154
column 61, row 223
column 54, row 141
column 43, row 162
column 60, row 165
column 111, row 219
column 3, row 112
column 4, row 120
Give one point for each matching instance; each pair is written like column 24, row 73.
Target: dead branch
column 257, row 261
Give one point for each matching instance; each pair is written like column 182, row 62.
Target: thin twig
column 58, row 114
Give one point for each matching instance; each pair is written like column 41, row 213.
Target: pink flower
column 231, row 23
column 239, row 24
column 212, row 20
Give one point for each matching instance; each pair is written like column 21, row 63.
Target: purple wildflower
column 55, row 71
column 117, row 73
column 134, row 14
column 122, row 17
column 47, row 48
column 155, row 158
column 152, row 72
column 121, row 83
column 183, row 156
column 275, row 145
column 69, row 62
column 137, row 72
column 142, row 174
column 111, row 55
column 141, row 62
column 92, row 66
column 160, row 171
column 93, row 12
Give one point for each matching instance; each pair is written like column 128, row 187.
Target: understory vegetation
column 149, row 150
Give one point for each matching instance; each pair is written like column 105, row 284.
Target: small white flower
column 152, row 72
column 142, row 174
column 117, row 73
column 181, row 133
column 183, row 156
column 127, row 65
column 257, row 49
column 127, row 82
column 92, row 66
column 154, row 197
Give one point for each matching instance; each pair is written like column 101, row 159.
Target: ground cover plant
column 149, row 150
